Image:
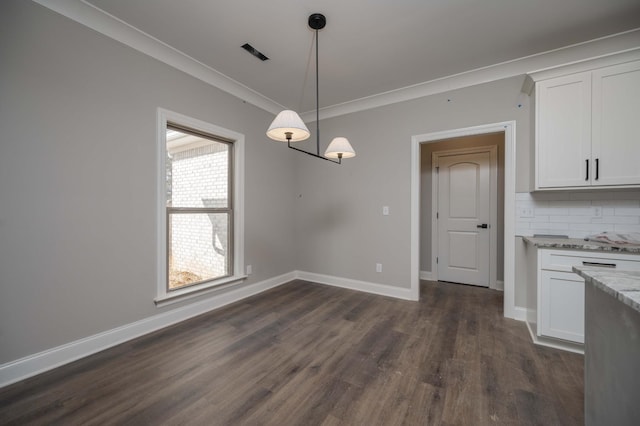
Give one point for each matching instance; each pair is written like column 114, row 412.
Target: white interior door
column 464, row 212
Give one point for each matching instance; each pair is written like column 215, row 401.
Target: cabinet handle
column 597, row 167
column 587, row 168
column 602, row 265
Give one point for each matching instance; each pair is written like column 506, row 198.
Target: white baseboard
column 367, row 287
column 31, row 365
column 426, row 275
column 499, row 285
column 519, row 313
column 554, row 343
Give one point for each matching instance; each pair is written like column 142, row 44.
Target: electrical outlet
column 385, row 210
column 597, row 211
column 525, row 213
column 378, row 267
column 249, row 270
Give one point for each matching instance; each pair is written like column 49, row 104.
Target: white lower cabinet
column 561, row 313
column 557, row 316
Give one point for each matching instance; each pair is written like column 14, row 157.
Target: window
column 200, row 215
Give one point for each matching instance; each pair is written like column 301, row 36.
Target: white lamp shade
column 339, row 146
column 288, row 121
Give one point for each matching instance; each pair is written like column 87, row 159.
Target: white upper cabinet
column 587, row 129
column 615, row 139
column 563, row 131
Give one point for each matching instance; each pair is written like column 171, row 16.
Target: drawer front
column 558, row 260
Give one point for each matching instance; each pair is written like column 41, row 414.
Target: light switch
column 385, row 210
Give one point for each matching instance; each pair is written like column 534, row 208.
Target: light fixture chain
column 306, row 75
column 317, row 100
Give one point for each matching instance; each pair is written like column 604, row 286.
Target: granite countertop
column 623, row 285
column 581, row 244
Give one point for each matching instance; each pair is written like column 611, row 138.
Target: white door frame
column 493, row 212
column 509, row 129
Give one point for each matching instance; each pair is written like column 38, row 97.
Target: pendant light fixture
column 288, row 126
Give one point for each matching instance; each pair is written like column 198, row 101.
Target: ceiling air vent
column 255, row 52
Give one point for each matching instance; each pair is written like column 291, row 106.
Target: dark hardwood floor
column 308, row 354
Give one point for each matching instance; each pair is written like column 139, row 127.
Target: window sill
column 196, row 291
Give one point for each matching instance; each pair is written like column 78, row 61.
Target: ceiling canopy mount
column 317, row 21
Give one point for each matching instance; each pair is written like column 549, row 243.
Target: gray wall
column 78, row 179
column 339, row 223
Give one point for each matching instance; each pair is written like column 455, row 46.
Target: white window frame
column 163, row 296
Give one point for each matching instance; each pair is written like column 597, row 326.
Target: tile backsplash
column 577, row 214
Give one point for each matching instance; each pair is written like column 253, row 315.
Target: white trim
column 38, row 363
column 611, row 44
column 579, row 66
column 509, row 274
column 500, row 286
column 493, row 207
column 202, row 289
column 426, row 275
column 164, row 116
column 414, row 224
column 520, row 313
column 509, row 129
column 49, row 359
column 364, row 286
column 100, row 21
column 552, row 343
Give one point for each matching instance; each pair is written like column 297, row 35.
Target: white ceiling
column 368, row 46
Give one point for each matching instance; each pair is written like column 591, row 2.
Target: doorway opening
column 505, row 242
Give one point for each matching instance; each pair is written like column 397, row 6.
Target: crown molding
column 604, row 46
column 579, row 66
column 106, row 24
column 98, row 20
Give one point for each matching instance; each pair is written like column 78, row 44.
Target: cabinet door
column 616, row 125
column 563, row 131
column 561, row 306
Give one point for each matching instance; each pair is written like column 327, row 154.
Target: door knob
column 483, row 226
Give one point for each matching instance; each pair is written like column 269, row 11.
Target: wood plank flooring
column 307, row 354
